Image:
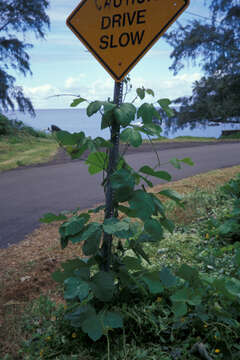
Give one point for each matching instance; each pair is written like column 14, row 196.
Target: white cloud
column 101, row 89
column 73, row 83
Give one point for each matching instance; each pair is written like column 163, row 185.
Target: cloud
column 44, row 96
column 40, row 95
column 74, row 83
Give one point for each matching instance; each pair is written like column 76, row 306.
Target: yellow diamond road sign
column 119, row 32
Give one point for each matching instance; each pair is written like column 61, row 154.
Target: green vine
column 114, row 262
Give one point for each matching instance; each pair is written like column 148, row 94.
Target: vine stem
column 106, row 249
column 108, row 346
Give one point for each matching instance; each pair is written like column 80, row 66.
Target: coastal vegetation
column 21, row 145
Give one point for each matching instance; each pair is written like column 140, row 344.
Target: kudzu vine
column 103, row 276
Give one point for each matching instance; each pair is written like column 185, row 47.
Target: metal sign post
column 112, row 164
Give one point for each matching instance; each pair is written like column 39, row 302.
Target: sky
column 61, row 65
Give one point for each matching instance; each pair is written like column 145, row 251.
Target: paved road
column 26, row 194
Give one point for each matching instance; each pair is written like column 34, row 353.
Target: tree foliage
column 18, row 17
column 215, row 46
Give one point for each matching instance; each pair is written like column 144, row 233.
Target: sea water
column 76, row 120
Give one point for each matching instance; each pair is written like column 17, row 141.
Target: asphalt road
column 26, row 194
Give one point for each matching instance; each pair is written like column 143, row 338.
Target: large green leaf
column 189, row 274
column 77, row 101
column 179, row 309
column 175, row 163
column 159, row 174
column 82, row 313
column 150, row 92
column 69, row 268
column 124, row 114
column 167, row 224
column 173, row 195
column 92, row 237
column 141, row 93
column 186, row 295
column 152, row 280
column 94, row 107
column 93, row 327
column 72, row 227
column 114, row 225
column 75, row 287
column 65, row 138
column 138, row 250
column 167, row 278
column 102, row 285
column 164, row 103
column 122, row 182
column 148, row 112
column 131, row 136
column 97, row 162
column 141, row 203
column 111, row 320
column 50, row 217
column 108, row 106
column 107, row 119
column 154, row 228
column 187, row 161
column 77, row 152
column 182, row 295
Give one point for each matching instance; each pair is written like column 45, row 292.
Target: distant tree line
column 18, row 17
column 213, row 43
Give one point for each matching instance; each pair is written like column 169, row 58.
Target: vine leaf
column 187, row 161
column 150, row 92
column 179, row 309
column 102, row 285
column 50, row 217
column 164, row 103
column 97, row 162
column 92, row 237
column 113, row 225
column 173, row 195
column 141, row 93
column 167, row 278
column 131, row 136
column 154, row 228
column 65, row 138
column 141, row 203
column 124, row 114
column 112, row 320
column 160, row 174
column 75, row 287
column 94, row 107
column 147, row 112
column 175, row 163
column 93, row 327
column 152, row 280
column 77, row 101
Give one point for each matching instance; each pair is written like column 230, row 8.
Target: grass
column 193, row 139
column 30, row 301
column 21, row 150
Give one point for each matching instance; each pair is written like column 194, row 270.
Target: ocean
column 76, row 120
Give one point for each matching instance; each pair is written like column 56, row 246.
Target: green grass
column 183, row 139
column 21, row 150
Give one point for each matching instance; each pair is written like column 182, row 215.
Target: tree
column 213, row 44
column 17, row 17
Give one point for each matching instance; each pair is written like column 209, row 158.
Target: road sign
column 119, row 32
